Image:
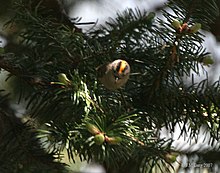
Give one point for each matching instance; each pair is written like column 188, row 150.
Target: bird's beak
column 116, row 79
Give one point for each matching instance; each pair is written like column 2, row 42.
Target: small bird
column 115, row 74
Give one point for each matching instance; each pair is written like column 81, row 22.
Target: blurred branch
column 6, row 63
column 20, row 150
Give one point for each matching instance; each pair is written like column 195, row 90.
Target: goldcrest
column 115, row 74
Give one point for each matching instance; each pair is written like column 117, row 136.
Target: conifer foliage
column 69, row 110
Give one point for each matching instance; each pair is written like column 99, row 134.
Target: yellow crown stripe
column 122, row 66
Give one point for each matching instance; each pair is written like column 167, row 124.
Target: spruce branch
column 200, row 11
column 156, row 96
column 21, row 151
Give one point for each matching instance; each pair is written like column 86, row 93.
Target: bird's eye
column 115, row 73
